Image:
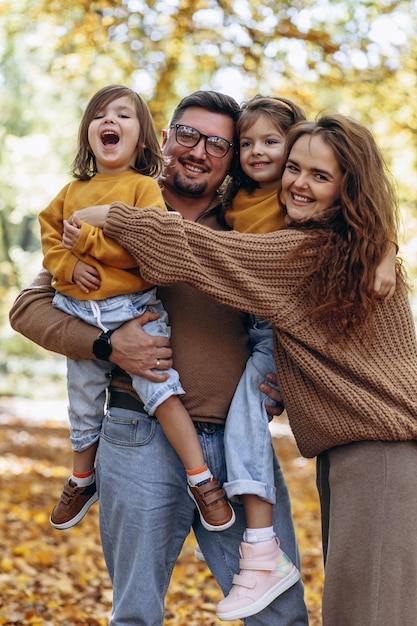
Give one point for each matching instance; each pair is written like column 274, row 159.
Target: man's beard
column 187, row 187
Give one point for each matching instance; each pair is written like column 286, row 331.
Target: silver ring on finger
column 158, row 362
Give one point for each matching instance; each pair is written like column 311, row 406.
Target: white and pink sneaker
column 266, row 572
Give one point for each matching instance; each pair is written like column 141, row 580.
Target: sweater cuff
column 116, row 220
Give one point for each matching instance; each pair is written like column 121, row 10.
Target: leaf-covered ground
column 55, row 578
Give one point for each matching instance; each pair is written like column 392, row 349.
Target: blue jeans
column 87, row 380
column 146, row 515
column 249, row 451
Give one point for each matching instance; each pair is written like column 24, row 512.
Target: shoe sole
column 287, row 582
column 208, row 526
column 77, row 519
column 199, row 555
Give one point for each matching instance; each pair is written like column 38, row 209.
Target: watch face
column 102, row 348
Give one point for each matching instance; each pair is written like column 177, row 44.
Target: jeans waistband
column 123, row 400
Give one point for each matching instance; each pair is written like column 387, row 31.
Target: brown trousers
column 368, row 497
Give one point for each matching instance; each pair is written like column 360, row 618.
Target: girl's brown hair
column 350, row 239
column 149, row 159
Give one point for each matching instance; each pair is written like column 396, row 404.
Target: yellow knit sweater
column 333, row 396
column 255, row 212
column 117, row 268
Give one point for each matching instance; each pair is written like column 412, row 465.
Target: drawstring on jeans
column 97, row 315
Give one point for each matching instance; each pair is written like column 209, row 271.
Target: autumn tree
column 358, row 57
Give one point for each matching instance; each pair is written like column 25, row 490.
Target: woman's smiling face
column 311, row 182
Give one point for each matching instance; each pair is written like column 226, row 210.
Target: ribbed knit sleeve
column 244, row 271
column 333, row 395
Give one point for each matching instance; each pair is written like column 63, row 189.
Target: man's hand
column 86, row 277
column 274, row 394
column 139, row 353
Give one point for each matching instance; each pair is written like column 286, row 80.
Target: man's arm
column 34, row 316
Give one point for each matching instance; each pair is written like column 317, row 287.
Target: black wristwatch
column 102, row 347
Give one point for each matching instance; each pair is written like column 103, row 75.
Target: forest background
column 356, row 57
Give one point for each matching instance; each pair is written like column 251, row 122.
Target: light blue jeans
column 249, row 451
column 146, row 515
column 87, row 380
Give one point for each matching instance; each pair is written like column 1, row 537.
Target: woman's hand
column 272, row 391
column 93, row 215
column 385, row 274
column 139, row 353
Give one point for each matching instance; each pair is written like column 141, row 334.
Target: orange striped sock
column 199, row 475
column 83, row 479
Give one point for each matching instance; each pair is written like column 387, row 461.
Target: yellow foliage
column 52, row 577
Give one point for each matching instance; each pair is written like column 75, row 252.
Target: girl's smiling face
column 311, row 182
column 113, row 136
column 262, row 152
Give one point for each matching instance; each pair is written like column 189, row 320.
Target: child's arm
column 56, row 259
column 385, row 274
column 92, row 240
column 85, row 276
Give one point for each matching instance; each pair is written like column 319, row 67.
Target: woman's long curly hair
column 349, row 240
column 149, row 160
column 282, row 113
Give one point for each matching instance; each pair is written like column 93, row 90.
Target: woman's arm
column 247, row 272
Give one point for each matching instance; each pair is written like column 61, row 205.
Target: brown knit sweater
column 209, row 340
column 333, row 396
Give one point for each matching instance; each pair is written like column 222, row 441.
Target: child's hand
column 86, row 277
column 385, row 275
column 71, row 232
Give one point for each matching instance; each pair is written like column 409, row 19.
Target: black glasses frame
column 213, row 138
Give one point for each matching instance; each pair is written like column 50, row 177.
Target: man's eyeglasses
column 189, row 137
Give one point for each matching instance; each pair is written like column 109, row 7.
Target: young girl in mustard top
column 118, row 158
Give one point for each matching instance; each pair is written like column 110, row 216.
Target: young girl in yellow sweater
column 118, row 158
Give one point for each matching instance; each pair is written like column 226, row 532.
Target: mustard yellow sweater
column 117, row 268
column 255, row 212
column 333, row 396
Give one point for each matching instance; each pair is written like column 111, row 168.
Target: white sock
column 84, row 482
column 259, row 535
column 195, row 479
